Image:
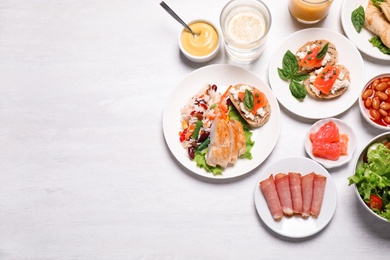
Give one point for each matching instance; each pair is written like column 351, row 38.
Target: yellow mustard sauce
column 205, row 42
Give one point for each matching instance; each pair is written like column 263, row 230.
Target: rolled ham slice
column 296, row 191
column 319, row 184
column 268, row 188
column 283, row 187
column 307, row 193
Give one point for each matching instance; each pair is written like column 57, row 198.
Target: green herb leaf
column 297, row 90
column 283, row 74
column 322, row 52
column 376, row 42
column 290, row 63
column 300, row 77
column 357, row 18
column 248, row 100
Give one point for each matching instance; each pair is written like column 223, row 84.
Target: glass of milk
column 309, row 11
column 245, row 25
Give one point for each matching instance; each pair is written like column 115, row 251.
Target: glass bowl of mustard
column 204, row 46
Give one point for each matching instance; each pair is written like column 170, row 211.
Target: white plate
column 359, row 39
column 343, row 129
column 223, row 76
column 310, row 108
column 296, row 226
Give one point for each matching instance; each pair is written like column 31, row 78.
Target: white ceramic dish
column 365, row 112
column 310, row 108
column 223, row 76
column 296, row 226
column 205, row 58
column 376, row 139
column 343, row 129
column 359, row 39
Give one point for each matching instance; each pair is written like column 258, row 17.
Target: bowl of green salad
column 371, row 177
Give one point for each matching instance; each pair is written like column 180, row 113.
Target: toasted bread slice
column 311, row 91
column 331, row 57
column 254, row 120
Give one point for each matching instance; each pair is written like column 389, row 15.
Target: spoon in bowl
column 174, row 15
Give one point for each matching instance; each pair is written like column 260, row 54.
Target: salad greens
column 372, row 178
column 200, row 154
column 377, row 42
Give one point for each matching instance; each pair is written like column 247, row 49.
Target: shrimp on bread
column 258, row 111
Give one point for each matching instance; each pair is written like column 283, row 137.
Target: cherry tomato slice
column 375, row 202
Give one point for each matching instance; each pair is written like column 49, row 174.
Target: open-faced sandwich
column 328, row 82
column 315, row 54
column 251, row 103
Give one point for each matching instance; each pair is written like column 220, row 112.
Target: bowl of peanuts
column 374, row 102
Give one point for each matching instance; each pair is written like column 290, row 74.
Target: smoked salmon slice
column 307, row 193
column 268, row 188
column 328, row 143
column 296, row 191
column 319, row 183
column 283, row 187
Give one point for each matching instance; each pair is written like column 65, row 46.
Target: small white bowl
column 205, row 58
column 359, row 160
column 365, row 112
column 343, row 129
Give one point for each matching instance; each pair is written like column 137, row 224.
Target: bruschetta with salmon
column 251, row 103
column 328, row 82
column 316, row 54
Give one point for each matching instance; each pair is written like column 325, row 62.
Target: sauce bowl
column 205, row 46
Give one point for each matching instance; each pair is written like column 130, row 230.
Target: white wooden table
column 85, row 172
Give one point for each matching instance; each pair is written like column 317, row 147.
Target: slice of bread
column 321, row 95
column 256, row 120
column 307, row 46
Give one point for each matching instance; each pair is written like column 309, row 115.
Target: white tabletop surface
column 85, row 172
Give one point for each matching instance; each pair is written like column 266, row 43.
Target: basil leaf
column 357, row 18
column 300, row 77
column 376, row 42
column 322, row 52
column 290, row 63
column 283, row 74
column 297, row 90
column 248, row 100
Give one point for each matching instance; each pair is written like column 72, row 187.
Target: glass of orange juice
column 309, row 11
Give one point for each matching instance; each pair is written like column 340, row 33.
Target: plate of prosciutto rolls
column 295, row 197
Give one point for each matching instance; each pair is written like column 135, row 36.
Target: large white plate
column 296, row 226
column 311, row 108
column 359, row 39
column 223, row 76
